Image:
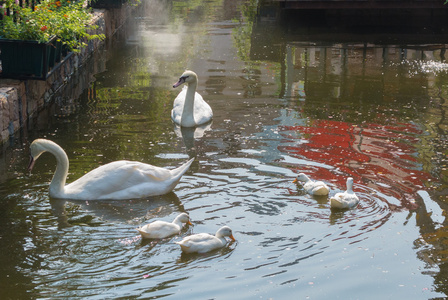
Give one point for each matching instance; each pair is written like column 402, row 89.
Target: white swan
column 318, row 188
column 117, row 180
column 204, row 242
column 162, row 229
column 189, row 109
column 347, row 199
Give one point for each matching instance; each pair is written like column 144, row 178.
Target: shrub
column 69, row 20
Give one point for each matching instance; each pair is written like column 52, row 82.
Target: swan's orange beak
column 189, row 223
column 232, row 238
column 31, row 164
column 295, row 180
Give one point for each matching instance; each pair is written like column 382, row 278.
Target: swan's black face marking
column 182, row 79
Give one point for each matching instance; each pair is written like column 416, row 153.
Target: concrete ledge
column 20, row 100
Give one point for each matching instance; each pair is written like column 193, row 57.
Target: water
column 281, row 106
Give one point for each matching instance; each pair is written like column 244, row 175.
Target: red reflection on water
column 381, row 157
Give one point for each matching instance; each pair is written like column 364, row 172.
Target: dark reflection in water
column 283, row 104
column 132, row 211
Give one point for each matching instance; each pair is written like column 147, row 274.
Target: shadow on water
column 194, row 258
column 134, row 212
column 190, row 134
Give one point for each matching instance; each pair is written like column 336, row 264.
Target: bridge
column 361, row 4
column 409, row 15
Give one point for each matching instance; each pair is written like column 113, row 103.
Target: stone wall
column 10, row 108
column 20, row 100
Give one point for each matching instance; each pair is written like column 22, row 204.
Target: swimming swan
column 117, row 180
column 347, row 199
column 204, row 242
column 161, row 229
column 189, row 109
column 317, row 188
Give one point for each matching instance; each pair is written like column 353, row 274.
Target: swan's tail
column 336, row 203
column 183, row 246
column 180, row 171
column 321, row 191
column 144, row 234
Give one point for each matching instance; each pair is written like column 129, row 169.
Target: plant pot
column 58, row 52
column 53, row 55
column 106, row 3
column 27, row 59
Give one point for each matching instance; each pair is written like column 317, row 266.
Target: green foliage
column 242, row 34
column 69, row 20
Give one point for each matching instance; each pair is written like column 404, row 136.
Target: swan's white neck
column 220, row 234
column 178, row 222
column 350, row 186
column 58, row 182
column 303, row 178
column 189, row 100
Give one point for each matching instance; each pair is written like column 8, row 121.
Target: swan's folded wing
column 199, row 237
column 159, row 229
column 117, row 176
column 156, row 225
column 196, row 239
column 202, row 111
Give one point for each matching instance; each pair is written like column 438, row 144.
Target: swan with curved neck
column 204, row 242
column 189, row 108
column 117, row 180
column 347, row 199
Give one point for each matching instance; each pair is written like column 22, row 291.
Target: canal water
column 284, row 102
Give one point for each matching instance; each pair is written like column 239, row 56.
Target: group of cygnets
column 196, row 243
column 345, row 200
column 120, row 180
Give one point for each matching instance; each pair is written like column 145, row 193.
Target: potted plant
column 32, row 38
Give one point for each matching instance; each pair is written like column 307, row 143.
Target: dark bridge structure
column 389, row 16
column 362, row 4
